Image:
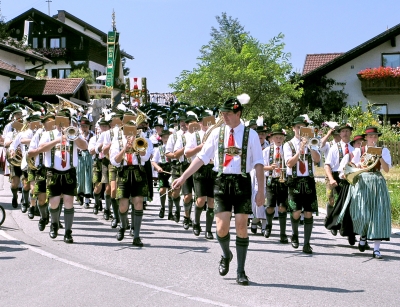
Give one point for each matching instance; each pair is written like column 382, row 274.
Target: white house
column 381, row 50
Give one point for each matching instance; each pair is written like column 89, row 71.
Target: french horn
column 368, row 162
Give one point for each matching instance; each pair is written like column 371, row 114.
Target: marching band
column 221, row 168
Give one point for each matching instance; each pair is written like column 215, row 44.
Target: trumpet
column 314, row 143
column 71, row 133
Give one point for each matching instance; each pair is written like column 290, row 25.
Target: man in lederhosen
column 23, row 140
column 235, row 150
column 100, row 170
column 61, row 160
column 131, row 182
column 302, row 193
column 187, row 188
column 39, row 175
column 162, row 165
column 103, row 145
column 277, row 190
column 203, row 181
column 175, row 163
column 10, row 135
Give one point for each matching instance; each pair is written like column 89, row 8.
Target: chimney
column 61, row 16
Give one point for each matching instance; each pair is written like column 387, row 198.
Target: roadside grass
column 393, row 183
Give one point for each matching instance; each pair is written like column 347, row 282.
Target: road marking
column 121, row 278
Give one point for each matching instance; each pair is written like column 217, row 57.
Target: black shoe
column 137, row 242
column 171, row 217
column 132, row 232
column 162, row 213
column 267, row 232
column 68, row 237
column 295, row 241
column 196, row 229
column 60, row 226
column 307, row 249
column 14, row 203
column 208, row 235
column 86, row 206
column 177, row 217
column 190, row 222
column 106, row 214
column 95, row 209
column 253, row 229
column 377, row 255
column 352, row 240
column 284, row 239
column 42, row 223
column 120, row 234
column 24, row 208
column 224, row 264
column 367, row 247
column 334, row 232
column 361, row 248
column 186, row 223
column 114, row 223
column 242, row 279
column 53, row 230
column 31, row 212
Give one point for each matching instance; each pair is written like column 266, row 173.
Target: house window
column 35, row 42
column 391, row 60
column 62, row 73
column 44, row 42
column 63, row 42
column 54, row 43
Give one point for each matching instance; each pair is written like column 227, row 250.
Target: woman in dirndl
column 369, row 198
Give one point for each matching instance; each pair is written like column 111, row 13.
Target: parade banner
column 112, row 41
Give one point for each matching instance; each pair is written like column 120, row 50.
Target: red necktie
column 231, row 142
column 277, row 157
column 130, row 158
column 302, row 166
column 346, row 149
column 63, row 155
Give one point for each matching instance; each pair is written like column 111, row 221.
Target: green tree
column 234, row 62
column 83, row 72
column 321, row 93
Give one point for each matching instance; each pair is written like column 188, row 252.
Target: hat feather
column 260, row 121
column 331, row 125
column 243, row 98
column 306, row 118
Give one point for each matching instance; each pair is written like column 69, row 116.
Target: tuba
column 368, row 162
column 141, row 117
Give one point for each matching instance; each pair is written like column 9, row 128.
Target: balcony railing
column 53, row 52
column 385, row 86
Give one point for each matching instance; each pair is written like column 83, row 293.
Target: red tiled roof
column 313, row 61
column 13, row 71
column 47, row 87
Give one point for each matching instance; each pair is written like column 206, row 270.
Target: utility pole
column 48, row 1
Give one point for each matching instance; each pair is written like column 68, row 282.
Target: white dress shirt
column 114, row 151
column 332, row 159
column 254, row 152
column 169, row 148
column 287, row 152
column 157, row 156
column 34, row 144
column 266, row 159
column 57, row 154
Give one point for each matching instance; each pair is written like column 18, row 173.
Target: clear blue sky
column 165, row 36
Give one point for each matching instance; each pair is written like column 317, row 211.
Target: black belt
column 61, row 172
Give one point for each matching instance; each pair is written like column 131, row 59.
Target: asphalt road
column 175, row 268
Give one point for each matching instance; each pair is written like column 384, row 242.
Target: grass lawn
column 393, row 182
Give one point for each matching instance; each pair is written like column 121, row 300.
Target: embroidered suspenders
column 309, row 162
column 271, row 161
column 198, row 141
column 53, row 151
column 162, row 154
column 221, row 148
column 340, row 152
